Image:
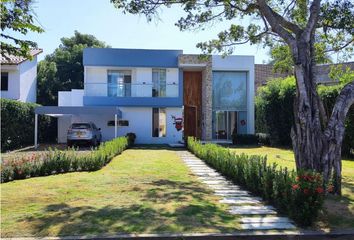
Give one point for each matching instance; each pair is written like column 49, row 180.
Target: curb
column 250, row 235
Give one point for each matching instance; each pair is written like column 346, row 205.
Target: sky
column 60, row 18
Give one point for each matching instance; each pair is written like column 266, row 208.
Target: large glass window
column 119, row 83
column 159, row 122
column 224, row 124
column 4, row 81
column 159, row 82
column 229, row 90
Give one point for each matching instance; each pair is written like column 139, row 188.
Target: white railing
column 131, row 90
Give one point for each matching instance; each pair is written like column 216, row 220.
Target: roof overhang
column 192, row 66
column 57, row 111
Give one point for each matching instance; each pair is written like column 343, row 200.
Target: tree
column 17, row 16
column 316, row 138
column 63, row 70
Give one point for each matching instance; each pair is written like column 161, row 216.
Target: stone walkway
column 255, row 215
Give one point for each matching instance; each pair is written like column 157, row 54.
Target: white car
column 85, row 132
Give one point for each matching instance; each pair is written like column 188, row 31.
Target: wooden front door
column 192, row 98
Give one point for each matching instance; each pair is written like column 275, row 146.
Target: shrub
column 298, row 195
column 263, row 138
column 274, row 110
column 131, row 138
column 55, row 161
column 244, row 139
column 17, row 125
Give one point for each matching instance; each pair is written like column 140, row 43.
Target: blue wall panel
column 130, row 57
column 133, row 101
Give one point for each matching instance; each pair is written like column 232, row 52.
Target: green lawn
column 140, row 191
column 339, row 211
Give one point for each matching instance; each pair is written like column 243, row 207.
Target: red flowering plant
column 307, row 197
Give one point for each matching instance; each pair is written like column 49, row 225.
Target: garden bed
column 338, row 211
column 55, row 161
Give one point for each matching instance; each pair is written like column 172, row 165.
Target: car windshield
column 80, row 126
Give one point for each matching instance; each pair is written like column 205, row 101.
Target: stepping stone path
column 255, row 215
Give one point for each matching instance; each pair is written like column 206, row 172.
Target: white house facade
column 19, row 77
column 160, row 95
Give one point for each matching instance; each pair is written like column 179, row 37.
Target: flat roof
column 90, row 110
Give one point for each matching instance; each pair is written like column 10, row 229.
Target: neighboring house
column 160, row 95
column 264, row 73
column 19, row 77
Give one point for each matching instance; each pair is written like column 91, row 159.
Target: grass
column 339, row 210
column 139, row 191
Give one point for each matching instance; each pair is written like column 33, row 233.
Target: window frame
column 156, row 85
column 125, row 85
column 153, row 127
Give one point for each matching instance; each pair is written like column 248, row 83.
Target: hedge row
column 17, row 125
column 299, row 195
column 55, row 161
column 274, row 110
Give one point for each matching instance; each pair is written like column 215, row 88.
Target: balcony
column 130, row 90
column 132, row 94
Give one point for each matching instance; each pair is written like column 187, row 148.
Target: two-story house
column 19, row 77
column 160, row 95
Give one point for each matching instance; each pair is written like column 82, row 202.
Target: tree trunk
column 316, row 140
column 316, row 143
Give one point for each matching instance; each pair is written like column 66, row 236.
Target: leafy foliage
column 63, row 70
column 17, row 125
column 17, row 17
column 334, row 30
column 302, row 202
column 55, row 161
column 274, row 113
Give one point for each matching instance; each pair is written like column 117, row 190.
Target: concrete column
column 35, row 131
column 115, row 125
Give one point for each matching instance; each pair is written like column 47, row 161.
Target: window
column 119, row 83
column 159, row 82
column 159, row 122
column 4, row 81
column 229, row 91
column 80, row 126
column 120, row 123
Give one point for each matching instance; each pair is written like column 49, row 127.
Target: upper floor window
column 159, row 82
column 4, row 81
column 119, row 83
column 229, row 90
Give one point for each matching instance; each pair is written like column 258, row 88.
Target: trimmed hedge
column 245, row 139
column 55, row 161
column 274, row 111
column 17, row 125
column 299, row 195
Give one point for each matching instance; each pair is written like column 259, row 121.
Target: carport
column 57, row 111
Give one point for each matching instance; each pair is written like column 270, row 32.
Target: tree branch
column 340, row 47
column 313, row 19
column 341, row 107
column 273, row 22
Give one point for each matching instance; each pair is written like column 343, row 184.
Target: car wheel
column 94, row 142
